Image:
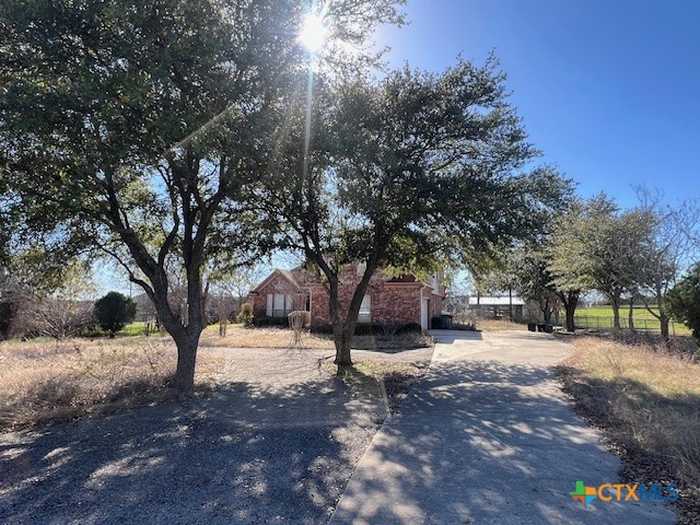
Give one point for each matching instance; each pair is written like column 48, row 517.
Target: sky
column 608, row 91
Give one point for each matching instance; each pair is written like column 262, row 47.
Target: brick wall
column 278, row 284
column 396, row 302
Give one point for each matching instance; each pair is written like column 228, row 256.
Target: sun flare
column 313, row 33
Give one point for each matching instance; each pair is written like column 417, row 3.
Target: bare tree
column 665, row 252
column 229, row 289
column 61, row 314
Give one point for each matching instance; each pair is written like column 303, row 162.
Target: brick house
column 404, row 300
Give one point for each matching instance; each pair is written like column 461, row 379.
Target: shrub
column 114, row 311
column 245, row 316
column 684, row 300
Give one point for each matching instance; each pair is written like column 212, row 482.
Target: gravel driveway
column 275, row 444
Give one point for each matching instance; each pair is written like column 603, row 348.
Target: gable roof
column 289, row 276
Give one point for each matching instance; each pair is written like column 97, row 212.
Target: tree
column 664, row 253
column 230, row 288
column 500, row 277
column 533, row 281
column 684, row 300
column 610, row 245
column 406, row 171
column 114, row 311
column 569, row 262
column 129, row 127
column 63, row 312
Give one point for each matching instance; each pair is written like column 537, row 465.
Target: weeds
column 647, row 399
column 44, row 382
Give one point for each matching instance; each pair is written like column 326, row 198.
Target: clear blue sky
column 609, row 91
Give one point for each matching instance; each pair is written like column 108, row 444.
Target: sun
column 313, row 33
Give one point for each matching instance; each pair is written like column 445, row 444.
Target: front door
column 424, row 309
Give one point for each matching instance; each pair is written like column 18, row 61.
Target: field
column 602, row 317
column 648, row 401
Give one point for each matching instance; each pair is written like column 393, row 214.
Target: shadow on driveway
column 252, row 453
column 485, row 442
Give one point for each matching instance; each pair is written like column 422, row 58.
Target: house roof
column 486, row 300
column 284, row 273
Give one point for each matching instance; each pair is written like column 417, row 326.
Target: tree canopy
column 405, row 171
column 130, row 127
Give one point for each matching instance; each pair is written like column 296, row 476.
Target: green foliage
column 407, row 172
column 567, row 250
column 114, row 311
column 130, row 127
column 245, row 316
column 684, row 300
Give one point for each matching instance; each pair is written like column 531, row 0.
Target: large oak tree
column 129, row 127
column 404, row 171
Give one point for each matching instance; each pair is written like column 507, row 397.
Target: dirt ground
column 275, row 441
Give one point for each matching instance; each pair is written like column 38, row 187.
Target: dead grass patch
column 396, row 377
column 43, row 381
column 272, row 337
column 647, row 400
column 497, row 325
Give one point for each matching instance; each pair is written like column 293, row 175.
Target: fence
column 642, row 325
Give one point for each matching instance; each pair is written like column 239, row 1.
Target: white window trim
column 365, row 314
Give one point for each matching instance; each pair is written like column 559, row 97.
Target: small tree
column 534, row 281
column 62, row 312
column 568, row 259
column 684, row 300
column 664, row 253
column 114, row 311
column 245, row 316
column 608, row 243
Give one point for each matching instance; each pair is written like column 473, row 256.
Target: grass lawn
column 135, row 328
column 602, row 317
column 648, row 402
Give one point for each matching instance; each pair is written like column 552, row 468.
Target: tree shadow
column 485, row 442
column 247, row 454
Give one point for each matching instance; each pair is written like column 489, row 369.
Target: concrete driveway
column 487, row 437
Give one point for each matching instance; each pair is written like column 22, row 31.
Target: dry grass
column 239, row 337
column 43, row 381
column 648, row 402
column 495, row 325
column 396, row 376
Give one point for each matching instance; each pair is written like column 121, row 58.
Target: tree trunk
column 570, row 323
column 343, row 339
column 186, row 359
column 664, row 322
column 630, row 318
column 616, row 315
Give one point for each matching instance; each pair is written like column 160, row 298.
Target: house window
column 365, row 315
column 279, row 305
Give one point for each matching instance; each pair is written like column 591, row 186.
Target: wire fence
column 642, row 325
